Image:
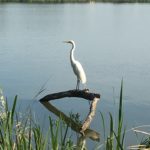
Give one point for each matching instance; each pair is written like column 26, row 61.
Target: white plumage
column 76, row 66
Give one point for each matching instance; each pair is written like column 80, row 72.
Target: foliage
column 23, row 134
column 115, row 139
column 18, row 133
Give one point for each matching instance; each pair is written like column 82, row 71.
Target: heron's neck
column 72, row 59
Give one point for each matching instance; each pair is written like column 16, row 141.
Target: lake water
column 112, row 42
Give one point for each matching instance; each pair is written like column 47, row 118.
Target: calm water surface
column 112, row 42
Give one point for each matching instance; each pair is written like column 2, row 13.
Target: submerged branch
column 82, row 129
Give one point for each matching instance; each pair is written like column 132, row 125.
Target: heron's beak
column 66, row 41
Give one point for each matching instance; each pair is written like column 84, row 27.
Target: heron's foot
column 86, row 90
column 77, row 89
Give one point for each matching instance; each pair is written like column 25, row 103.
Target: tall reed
column 25, row 134
column 116, row 134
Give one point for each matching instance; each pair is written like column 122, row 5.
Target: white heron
column 76, row 66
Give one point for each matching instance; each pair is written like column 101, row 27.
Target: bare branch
column 83, row 129
column 71, row 93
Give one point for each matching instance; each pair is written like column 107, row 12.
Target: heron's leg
column 84, row 86
column 77, row 86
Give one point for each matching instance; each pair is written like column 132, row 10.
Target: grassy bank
column 21, row 132
column 75, row 1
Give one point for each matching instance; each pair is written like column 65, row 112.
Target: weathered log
column 90, row 116
column 74, row 126
column 83, row 129
column 71, row 93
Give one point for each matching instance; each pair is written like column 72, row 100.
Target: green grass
column 25, row 134
column 117, row 131
column 116, row 134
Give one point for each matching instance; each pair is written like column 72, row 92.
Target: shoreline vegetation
column 18, row 131
column 74, row 1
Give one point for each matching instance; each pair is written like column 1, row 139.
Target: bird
column 76, row 66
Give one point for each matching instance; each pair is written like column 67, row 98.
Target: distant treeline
column 75, row 1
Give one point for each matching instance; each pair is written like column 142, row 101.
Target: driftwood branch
column 90, row 116
column 71, row 93
column 83, row 129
